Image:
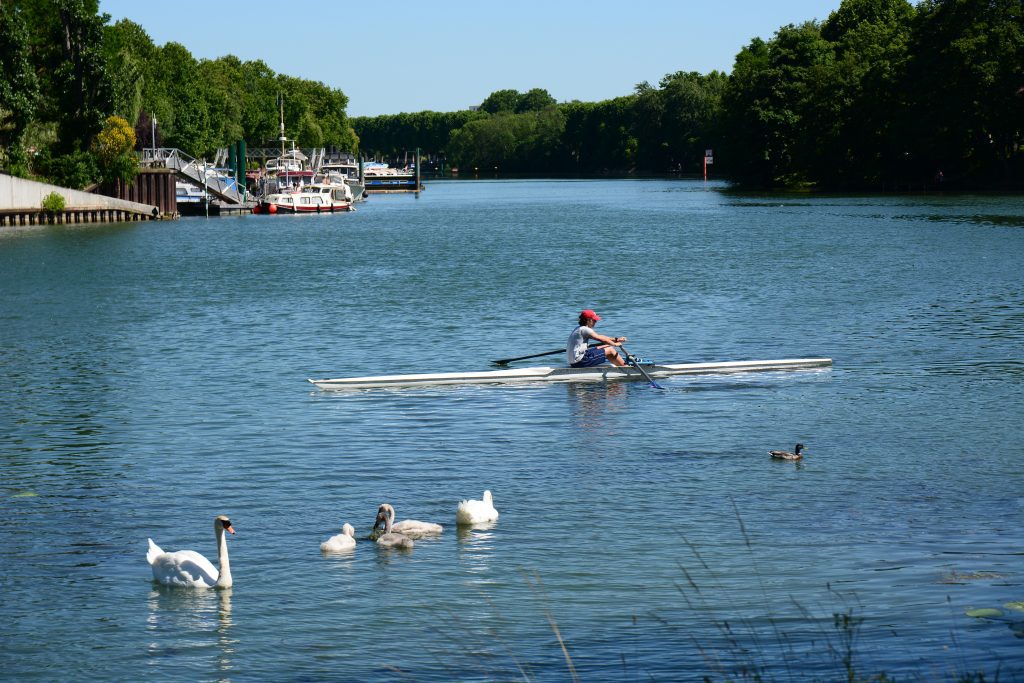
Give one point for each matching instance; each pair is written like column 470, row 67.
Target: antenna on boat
column 280, row 99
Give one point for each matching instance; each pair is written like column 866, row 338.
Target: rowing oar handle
column 632, row 361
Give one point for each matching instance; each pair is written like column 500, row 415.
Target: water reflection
column 589, row 403
column 476, row 546
column 225, row 643
column 188, row 623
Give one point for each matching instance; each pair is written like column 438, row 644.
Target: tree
column 181, row 103
column 536, row 99
column 648, row 127
column 858, row 144
column 128, row 51
column 965, row 82
column 771, row 104
column 115, row 150
column 19, row 89
column 501, row 102
column 79, row 89
column 692, row 108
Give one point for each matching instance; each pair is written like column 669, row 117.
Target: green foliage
column 537, row 99
column 53, row 203
column 62, row 80
column 114, row 149
column 392, row 135
column 967, row 122
column 67, row 48
column 501, row 102
column 509, row 142
column 129, row 54
column 19, row 87
column 883, row 94
column 515, row 102
column 886, row 95
column 75, row 170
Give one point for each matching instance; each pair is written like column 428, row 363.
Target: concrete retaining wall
column 18, row 194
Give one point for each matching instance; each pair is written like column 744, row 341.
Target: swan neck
column 224, row 578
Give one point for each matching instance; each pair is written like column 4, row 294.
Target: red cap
column 589, row 313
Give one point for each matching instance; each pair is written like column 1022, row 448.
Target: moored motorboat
column 342, row 168
column 379, row 177
column 599, row 373
column 315, row 198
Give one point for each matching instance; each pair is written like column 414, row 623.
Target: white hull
column 600, row 373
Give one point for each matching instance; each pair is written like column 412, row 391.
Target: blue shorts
column 593, row 356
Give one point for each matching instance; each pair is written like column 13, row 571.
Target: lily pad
column 1019, row 606
column 984, row 613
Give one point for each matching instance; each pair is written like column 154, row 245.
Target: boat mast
column 280, row 99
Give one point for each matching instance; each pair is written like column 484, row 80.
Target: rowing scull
column 599, row 373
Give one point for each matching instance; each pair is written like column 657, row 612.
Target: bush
column 53, row 203
column 114, row 147
column 75, row 170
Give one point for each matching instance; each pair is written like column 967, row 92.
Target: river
column 155, row 376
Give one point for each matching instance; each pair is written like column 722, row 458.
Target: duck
column 189, row 569
column 476, row 511
column 786, row 455
column 412, row 528
column 346, row 540
column 389, row 538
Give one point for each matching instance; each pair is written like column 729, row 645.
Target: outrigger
column 600, row 373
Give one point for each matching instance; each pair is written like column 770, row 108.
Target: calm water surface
column 155, row 376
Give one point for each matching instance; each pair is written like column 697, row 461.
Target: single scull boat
column 599, row 373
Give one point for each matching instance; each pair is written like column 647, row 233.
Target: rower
column 579, row 355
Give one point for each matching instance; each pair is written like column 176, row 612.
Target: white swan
column 346, row 540
column 389, row 539
column 410, row 527
column 187, row 568
column 476, row 511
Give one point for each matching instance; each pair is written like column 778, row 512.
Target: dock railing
column 197, row 172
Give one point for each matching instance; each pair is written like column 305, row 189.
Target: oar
column 632, row 361
column 506, row 361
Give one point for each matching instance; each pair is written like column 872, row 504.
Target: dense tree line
column 65, row 70
column 882, row 95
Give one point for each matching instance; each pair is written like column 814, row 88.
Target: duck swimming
column 786, row 455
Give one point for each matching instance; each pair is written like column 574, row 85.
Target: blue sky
column 392, row 56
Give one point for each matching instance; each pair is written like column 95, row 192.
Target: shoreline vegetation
column 882, row 96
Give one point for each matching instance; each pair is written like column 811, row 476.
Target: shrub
column 75, row 170
column 114, row 148
column 53, row 203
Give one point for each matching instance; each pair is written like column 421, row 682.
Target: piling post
column 418, row 171
column 243, row 164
